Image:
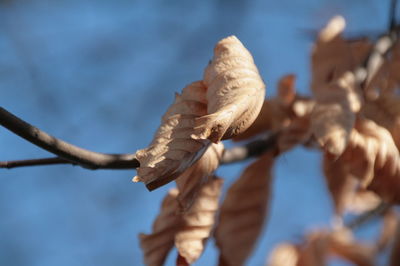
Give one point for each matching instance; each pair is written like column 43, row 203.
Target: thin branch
column 232, row 155
column 66, row 151
column 368, row 216
column 251, row 149
column 392, row 15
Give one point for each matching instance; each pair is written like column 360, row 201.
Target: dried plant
column 352, row 118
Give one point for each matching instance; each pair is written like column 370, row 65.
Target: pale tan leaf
column 157, row 245
column 332, row 56
column 276, row 112
column 244, row 211
column 333, row 115
column 190, row 182
column 395, row 254
column 173, row 148
column 235, row 91
column 345, row 189
column 314, row 251
column 363, row 201
column 340, row 183
column 385, row 111
column 284, row 255
column 342, row 244
column 388, row 230
column 373, row 158
column 224, row 105
column 198, row 221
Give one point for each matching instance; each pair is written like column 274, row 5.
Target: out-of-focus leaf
column 342, row 244
column 198, row 221
column 191, row 181
column 395, row 254
column 284, row 255
column 333, row 115
column 373, row 158
column 385, row 111
column 243, row 212
column 157, row 245
column 389, row 228
column 345, row 189
column 332, row 56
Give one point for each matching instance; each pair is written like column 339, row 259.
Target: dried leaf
column 314, row 251
column 284, row 255
column 235, row 91
column 395, row 254
column 388, row 230
column 191, row 181
column 342, row 244
column 340, row 183
column 243, row 212
column 280, row 112
column 332, row 56
column 198, row 221
column 173, row 148
column 373, row 157
column 157, row 245
column 345, row 189
column 385, row 111
column 333, row 115
column 224, row 105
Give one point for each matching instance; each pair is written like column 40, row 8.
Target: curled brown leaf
column 198, row 221
column 224, row 105
column 235, row 91
column 191, row 181
column 157, row 245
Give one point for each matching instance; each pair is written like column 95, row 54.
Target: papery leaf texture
column 157, row 245
column 191, row 181
column 225, row 104
column 198, row 221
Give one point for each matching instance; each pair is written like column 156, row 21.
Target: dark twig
column 392, row 15
column 232, row 155
column 251, row 149
column 368, row 216
column 66, row 151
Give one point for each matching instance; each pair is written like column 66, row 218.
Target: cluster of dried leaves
column 355, row 123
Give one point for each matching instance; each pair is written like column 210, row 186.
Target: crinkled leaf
column 191, row 181
column 372, row 157
column 157, row 245
column 235, row 91
column 224, row 105
column 333, row 115
column 198, row 221
column 173, row 148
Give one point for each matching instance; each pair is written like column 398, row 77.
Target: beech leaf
column 244, row 211
column 224, row 105
column 191, row 181
column 198, row 221
column 157, row 245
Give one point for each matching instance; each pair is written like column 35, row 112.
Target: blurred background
column 100, row 74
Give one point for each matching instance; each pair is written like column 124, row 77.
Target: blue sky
column 100, row 74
